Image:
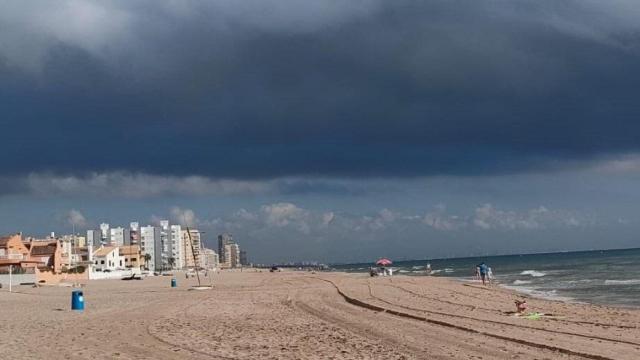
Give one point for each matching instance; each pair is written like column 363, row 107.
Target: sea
column 605, row 277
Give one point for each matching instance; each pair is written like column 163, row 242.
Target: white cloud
column 289, row 224
column 244, row 214
column 155, row 219
column 281, row 214
column 629, row 163
column 122, row 184
column 387, row 215
column 284, row 214
column 138, row 185
column 383, row 218
column 440, row 220
column 327, row 218
column 184, row 217
column 443, row 222
column 77, row 219
column 488, row 217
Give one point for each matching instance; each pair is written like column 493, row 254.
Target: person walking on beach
column 477, row 273
column 483, row 268
column 489, row 275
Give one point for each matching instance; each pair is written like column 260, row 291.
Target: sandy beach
column 302, row 315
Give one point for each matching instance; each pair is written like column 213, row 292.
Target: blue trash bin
column 174, row 282
column 77, row 300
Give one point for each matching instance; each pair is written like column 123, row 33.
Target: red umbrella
column 384, row 262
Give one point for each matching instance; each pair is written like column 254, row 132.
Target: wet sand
column 300, row 315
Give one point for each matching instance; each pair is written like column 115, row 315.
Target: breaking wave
column 533, row 273
column 622, row 282
column 521, row 282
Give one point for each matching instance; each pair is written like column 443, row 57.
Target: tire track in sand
column 617, row 341
column 373, row 307
column 473, row 307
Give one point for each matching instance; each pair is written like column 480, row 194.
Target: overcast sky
column 333, row 130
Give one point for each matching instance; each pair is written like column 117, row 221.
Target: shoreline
column 539, row 294
column 529, row 293
column 520, row 290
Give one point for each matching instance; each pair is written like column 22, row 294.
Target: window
column 102, row 262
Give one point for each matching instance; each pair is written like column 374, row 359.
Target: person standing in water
column 428, row 269
column 483, row 268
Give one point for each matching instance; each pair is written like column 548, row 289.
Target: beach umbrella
column 384, row 262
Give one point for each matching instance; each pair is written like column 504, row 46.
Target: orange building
column 48, row 254
column 13, row 251
column 42, row 257
column 132, row 256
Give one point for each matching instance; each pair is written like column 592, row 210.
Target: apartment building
column 150, row 245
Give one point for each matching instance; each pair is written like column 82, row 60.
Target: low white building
column 108, row 258
column 209, row 259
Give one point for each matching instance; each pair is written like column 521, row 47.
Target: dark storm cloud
column 271, row 88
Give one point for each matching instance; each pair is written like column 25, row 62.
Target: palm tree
column 171, row 261
column 147, row 257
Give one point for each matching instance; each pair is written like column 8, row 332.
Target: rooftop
column 43, row 249
column 5, row 239
column 129, row 250
column 104, row 251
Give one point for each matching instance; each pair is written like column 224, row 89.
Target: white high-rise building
column 105, row 235
column 226, row 259
column 94, row 237
column 234, row 255
column 149, row 242
column 134, row 233
column 165, row 243
column 177, row 246
column 119, row 236
column 223, row 240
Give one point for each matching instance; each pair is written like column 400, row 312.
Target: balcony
column 12, row 257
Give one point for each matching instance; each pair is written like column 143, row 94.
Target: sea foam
column 622, row 282
column 548, row 295
column 521, row 282
column 533, row 273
